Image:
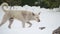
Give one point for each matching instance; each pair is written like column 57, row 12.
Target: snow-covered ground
column 50, row 18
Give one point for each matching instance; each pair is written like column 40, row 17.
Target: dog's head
column 36, row 17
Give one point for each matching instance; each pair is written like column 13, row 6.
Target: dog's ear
column 33, row 14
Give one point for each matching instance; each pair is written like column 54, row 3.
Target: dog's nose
column 38, row 20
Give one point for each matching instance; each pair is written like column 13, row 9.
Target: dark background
column 41, row 3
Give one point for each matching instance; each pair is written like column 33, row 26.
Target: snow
column 50, row 18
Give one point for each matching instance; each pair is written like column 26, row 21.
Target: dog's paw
column 9, row 27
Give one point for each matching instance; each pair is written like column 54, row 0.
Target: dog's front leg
column 10, row 22
column 23, row 24
column 29, row 24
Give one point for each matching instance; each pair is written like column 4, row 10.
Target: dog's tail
column 4, row 4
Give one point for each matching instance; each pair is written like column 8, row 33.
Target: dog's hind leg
column 5, row 18
column 10, row 22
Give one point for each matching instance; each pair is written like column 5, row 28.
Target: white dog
column 22, row 15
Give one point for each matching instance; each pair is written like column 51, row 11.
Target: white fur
column 22, row 15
